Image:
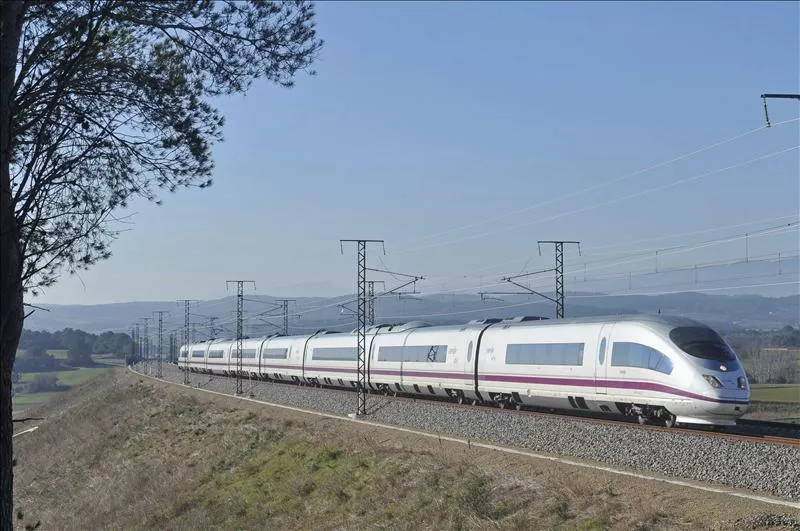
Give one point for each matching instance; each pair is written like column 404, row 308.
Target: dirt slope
column 125, row 452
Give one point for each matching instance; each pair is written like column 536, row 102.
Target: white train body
column 673, row 369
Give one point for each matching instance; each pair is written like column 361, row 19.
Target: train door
column 470, row 382
column 602, row 358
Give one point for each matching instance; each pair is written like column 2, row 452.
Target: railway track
column 747, row 430
column 763, row 432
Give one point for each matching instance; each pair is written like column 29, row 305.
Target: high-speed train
column 659, row 369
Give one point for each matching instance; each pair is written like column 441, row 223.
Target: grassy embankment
column 125, row 452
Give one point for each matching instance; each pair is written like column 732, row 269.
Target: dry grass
column 121, row 452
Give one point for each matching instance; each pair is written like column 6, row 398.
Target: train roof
column 665, row 320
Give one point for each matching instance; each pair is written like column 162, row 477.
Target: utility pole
column 371, row 300
column 146, row 343
column 284, row 304
column 776, row 96
column 132, row 359
column 137, row 355
column 239, row 322
column 361, row 284
column 173, row 344
column 159, row 370
column 186, row 304
column 559, row 245
column 212, row 330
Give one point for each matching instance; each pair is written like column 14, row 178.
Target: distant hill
column 727, row 312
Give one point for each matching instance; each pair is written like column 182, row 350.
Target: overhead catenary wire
column 589, row 251
column 637, row 194
column 702, row 290
column 625, row 260
column 605, row 183
column 603, row 203
column 592, row 250
column 664, row 252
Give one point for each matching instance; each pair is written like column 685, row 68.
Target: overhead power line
column 604, row 183
column 595, row 206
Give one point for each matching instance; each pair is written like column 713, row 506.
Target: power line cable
column 605, row 183
column 601, row 204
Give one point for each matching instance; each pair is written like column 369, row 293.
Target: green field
column 68, row 379
column 789, row 393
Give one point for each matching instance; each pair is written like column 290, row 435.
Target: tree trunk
column 11, row 310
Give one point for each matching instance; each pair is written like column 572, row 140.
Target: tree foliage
column 104, row 101
column 112, row 102
column 36, row 359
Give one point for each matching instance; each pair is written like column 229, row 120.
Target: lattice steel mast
column 186, row 303
column 146, row 344
column 559, row 245
column 370, row 302
column 239, row 326
column 361, row 285
column 285, row 308
column 159, row 369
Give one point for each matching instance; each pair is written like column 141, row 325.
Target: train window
column 545, row 354
column 246, row 353
column 702, row 342
column 198, row 353
column 274, row 353
column 625, row 354
column 602, row 358
column 414, row 353
column 433, row 353
column 469, row 352
column 216, row 353
column 390, row 354
column 335, row 354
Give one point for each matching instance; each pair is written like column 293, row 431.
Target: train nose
column 728, row 395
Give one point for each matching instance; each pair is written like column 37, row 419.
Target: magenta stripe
column 616, row 384
column 422, row 374
column 289, row 367
column 508, row 378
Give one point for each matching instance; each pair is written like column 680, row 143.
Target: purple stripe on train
column 542, row 380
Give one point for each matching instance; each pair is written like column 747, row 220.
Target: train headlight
column 742, row 382
column 712, row 380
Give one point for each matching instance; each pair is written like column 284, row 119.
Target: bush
column 44, row 382
column 35, row 359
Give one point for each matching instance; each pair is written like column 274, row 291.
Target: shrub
column 44, row 382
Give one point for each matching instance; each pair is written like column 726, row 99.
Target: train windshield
column 702, row 343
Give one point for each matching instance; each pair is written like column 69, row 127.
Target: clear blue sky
column 426, row 117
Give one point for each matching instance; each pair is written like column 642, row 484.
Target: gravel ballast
column 766, row 468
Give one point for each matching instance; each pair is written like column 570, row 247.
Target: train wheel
column 474, row 402
column 669, row 422
column 642, row 419
column 517, row 406
column 502, row 404
column 460, row 399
